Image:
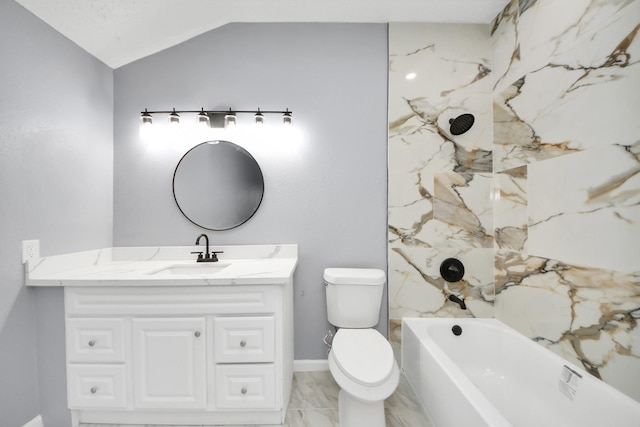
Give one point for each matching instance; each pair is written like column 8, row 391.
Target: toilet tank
column 354, row 296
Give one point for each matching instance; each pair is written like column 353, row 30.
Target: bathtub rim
column 614, row 396
column 475, row 398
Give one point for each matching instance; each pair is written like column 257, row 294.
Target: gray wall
column 56, row 171
column 326, row 192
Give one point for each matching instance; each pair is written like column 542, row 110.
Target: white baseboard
column 309, row 365
column 36, row 422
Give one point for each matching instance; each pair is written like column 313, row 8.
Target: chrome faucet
column 459, row 301
column 213, row 257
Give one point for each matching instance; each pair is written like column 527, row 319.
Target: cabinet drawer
column 96, row 386
column 244, row 339
column 95, row 340
column 245, row 386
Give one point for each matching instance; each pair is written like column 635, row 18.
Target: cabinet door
column 169, row 363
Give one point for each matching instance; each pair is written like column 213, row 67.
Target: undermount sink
column 201, row 268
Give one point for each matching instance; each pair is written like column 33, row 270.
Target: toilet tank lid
column 354, row 276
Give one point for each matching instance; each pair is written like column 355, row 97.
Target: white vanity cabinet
column 183, row 355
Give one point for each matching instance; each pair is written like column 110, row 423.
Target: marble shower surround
column 564, row 166
column 440, row 185
column 567, row 173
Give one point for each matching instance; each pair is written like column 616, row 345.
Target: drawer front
column 95, row 340
column 245, row 386
column 96, row 386
column 101, row 301
column 244, row 339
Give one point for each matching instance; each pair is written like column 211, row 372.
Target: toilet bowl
column 361, row 362
column 361, row 359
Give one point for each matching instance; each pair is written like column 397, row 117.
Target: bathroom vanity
column 154, row 337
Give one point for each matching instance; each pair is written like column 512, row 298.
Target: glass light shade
column 174, row 118
column 259, row 117
column 286, row 117
column 203, row 118
column 146, row 118
column 230, row 119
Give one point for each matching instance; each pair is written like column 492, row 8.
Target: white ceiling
column 121, row 31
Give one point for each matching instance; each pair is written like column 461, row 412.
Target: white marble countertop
column 156, row 266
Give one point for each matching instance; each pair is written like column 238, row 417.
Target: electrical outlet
column 30, row 250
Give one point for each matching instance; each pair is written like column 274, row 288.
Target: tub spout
column 459, row 301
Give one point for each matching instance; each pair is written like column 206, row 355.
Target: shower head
column 461, row 124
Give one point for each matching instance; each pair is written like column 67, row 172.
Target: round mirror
column 218, row 185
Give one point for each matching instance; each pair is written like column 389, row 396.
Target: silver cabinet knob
column 197, row 334
column 244, row 390
column 94, row 390
column 243, row 343
column 92, row 343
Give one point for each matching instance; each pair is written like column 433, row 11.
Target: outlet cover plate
column 30, row 250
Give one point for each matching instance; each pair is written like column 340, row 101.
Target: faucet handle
column 199, row 254
column 214, row 255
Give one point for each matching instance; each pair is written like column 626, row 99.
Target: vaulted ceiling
column 121, row 31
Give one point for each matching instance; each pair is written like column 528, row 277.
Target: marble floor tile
column 314, row 403
column 402, row 408
column 314, row 390
column 312, row 418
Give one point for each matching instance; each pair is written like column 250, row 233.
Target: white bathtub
column 491, row 375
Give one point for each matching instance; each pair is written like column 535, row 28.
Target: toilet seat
column 363, row 355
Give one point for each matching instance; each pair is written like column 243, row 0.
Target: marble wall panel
column 559, row 66
column 532, row 34
column 437, row 72
column 419, row 291
column 439, row 184
column 505, row 47
column 585, row 208
column 567, row 180
column 510, row 209
column 463, row 209
column 587, row 315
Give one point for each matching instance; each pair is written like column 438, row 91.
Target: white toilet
column 361, row 359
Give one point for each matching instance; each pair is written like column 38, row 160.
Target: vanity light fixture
column 216, row 118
